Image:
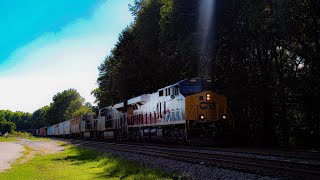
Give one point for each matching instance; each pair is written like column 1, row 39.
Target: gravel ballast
column 185, row 169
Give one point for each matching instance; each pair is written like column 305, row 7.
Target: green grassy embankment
column 78, row 163
column 13, row 138
column 21, row 135
column 9, row 139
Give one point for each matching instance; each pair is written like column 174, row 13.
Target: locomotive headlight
column 224, row 117
column 208, row 97
column 201, row 117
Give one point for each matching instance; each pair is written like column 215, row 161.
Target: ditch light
column 208, row 97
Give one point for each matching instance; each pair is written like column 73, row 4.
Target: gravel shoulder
column 45, row 147
column 9, row 152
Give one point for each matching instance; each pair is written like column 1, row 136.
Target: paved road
column 9, row 152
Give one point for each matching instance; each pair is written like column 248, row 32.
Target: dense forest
column 65, row 105
column 263, row 55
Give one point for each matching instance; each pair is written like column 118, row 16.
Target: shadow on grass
column 64, row 144
column 116, row 167
column 112, row 166
column 80, row 155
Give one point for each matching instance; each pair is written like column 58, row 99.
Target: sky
column 53, row 45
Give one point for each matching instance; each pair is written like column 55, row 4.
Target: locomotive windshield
column 193, row 86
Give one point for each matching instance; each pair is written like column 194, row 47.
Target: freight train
column 187, row 111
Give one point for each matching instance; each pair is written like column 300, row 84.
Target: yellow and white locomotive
column 184, row 111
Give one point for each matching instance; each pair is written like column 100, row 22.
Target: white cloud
column 57, row 61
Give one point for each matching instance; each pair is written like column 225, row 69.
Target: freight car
column 75, row 127
column 43, row 131
column 189, row 110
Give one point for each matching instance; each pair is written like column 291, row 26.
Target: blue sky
column 49, row 46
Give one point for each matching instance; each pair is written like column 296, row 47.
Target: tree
column 63, row 107
column 81, row 111
column 20, row 119
column 6, row 126
column 74, row 106
column 64, row 104
column 39, row 117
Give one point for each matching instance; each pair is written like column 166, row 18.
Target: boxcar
column 56, row 129
column 60, row 129
column 66, row 128
column 50, row 131
column 42, row 131
column 75, row 127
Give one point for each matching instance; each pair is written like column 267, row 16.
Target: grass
column 9, row 139
column 78, row 163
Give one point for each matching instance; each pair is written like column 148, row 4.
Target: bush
column 22, row 134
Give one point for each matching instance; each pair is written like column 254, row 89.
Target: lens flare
column 205, row 28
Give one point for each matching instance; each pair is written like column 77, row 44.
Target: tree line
column 65, row 105
column 263, row 55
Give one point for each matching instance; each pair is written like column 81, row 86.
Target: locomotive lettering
column 207, row 105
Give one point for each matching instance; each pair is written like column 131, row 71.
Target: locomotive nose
column 206, row 105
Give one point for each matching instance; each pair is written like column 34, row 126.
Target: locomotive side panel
column 165, row 107
column 101, row 123
column 109, row 119
column 159, row 116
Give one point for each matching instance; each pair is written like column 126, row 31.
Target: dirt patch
column 44, row 147
column 9, row 152
column 39, row 148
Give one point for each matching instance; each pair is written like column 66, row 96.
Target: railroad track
column 239, row 161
